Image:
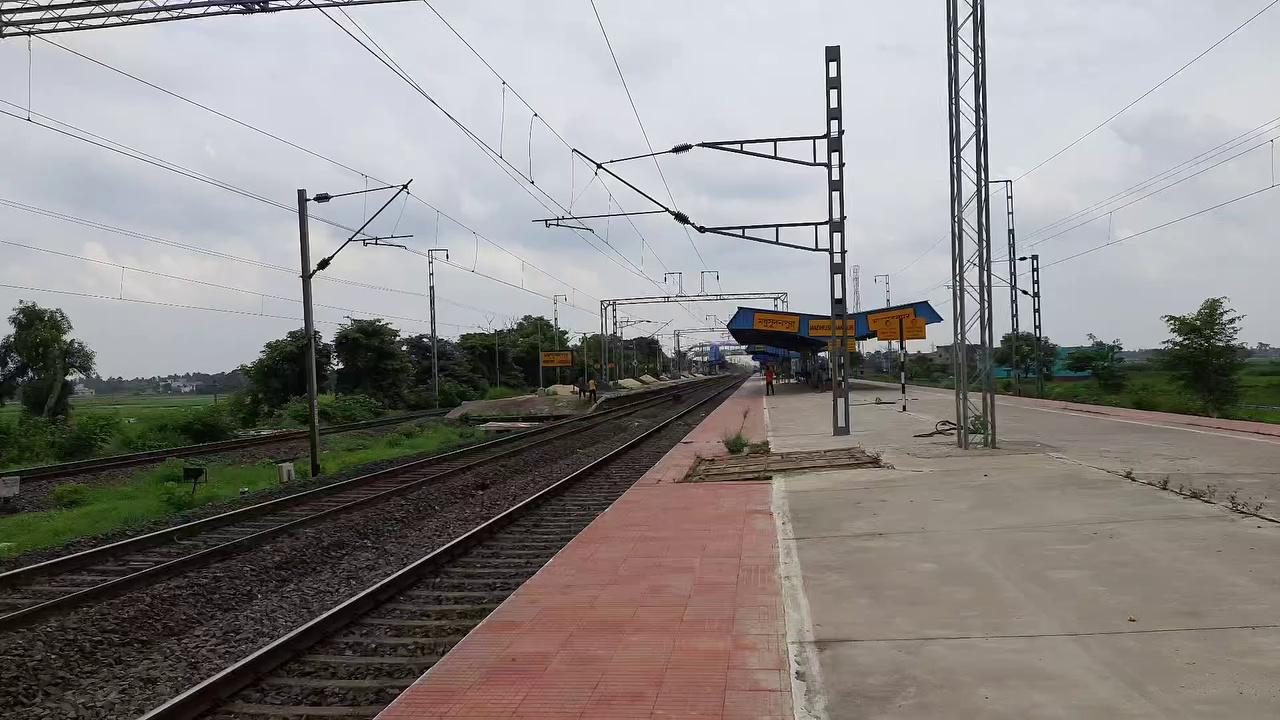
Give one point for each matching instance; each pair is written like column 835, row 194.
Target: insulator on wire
column 682, row 148
column 681, row 218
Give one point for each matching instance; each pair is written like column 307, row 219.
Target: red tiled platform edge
column 667, row 606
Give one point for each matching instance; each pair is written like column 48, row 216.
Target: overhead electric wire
column 126, row 232
column 385, row 58
column 1184, row 165
column 508, row 86
column 1140, row 198
column 220, row 286
column 313, row 153
column 635, row 111
column 1152, row 89
column 1163, row 225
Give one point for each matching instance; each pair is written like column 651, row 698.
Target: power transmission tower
column 970, row 239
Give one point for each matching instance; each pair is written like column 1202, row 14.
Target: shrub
column 735, row 444
column 86, row 436
column 152, row 436
column 69, row 495
column 178, row 496
column 348, row 409
column 206, row 424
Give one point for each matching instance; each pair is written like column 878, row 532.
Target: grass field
column 135, row 406
column 1149, row 388
column 159, row 493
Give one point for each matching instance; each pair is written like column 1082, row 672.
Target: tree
column 1205, row 354
column 279, row 373
column 459, row 381
column 372, row 361
column 38, row 357
column 479, row 349
column 1026, row 344
column 1102, row 360
column 923, row 366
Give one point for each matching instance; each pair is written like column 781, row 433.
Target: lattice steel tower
column 972, row 321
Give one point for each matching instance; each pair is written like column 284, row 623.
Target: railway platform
column 667, row 606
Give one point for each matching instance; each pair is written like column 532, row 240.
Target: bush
column 348, row 409
column 736, row 444
column 29, row 441
column 152, row 436
column 502, row 392
column 206, row 424
column 178, row 496
column 69, row 495
column 86, row 436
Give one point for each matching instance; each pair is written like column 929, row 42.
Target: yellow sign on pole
column 777, row 322
column 561, row 358
column 913, row 328
column 822, row 328
column 888, row 318
column 851, row 344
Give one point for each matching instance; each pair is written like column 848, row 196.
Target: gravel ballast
column 122, row 657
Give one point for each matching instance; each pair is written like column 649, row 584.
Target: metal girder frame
column 41, row 17
column 1014, row 320
column 836, row 252
column 970, row 239
column 686, row 331
column 609, row 311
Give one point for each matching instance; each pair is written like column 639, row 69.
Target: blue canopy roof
column 804, row 331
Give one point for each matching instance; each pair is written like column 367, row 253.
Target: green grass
column 137, row 406
column 503, row 392
column 159, row 493
column 1149, row 388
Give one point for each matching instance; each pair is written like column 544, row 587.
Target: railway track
column 354, row 659
column 36, row 591
column 80, row 467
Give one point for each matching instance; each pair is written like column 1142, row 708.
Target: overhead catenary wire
column 309, row 151
column 503, row 164
column 1149, row 91
column 643, row 132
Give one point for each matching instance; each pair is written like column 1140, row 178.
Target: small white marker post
column 9, row 488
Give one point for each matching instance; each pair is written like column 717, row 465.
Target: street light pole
column 309, row 327
column 431, row 294
column 1035, row 320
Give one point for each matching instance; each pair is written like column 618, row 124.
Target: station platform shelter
column 806, row 333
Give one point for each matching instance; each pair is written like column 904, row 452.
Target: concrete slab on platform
column 1021, row 582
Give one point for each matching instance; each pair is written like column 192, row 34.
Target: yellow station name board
column 913, row 328
column 851, row 345
column 777, row 322
column 822, row 328
column 561, row 358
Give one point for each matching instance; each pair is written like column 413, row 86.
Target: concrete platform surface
column 667, row 606
column 1025, row 582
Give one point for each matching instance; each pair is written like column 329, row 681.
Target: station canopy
column 782, row 330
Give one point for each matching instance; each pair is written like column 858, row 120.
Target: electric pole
column 431, row 295
column 888, row 298
column 1013, row 283
column 555, row 318
column 309, row 327
column 1035, row 320
column 308, row 315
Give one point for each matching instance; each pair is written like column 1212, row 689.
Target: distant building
column 81, row 390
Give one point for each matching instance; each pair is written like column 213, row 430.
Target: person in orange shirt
column 768, row 380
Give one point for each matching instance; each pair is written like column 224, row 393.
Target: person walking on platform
column 591, row 390
column 582, row 388
column 768, row 380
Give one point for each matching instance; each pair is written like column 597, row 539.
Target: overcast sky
column 697, row 71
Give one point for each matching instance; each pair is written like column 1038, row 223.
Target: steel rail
column 206, row 695
column 20, row 576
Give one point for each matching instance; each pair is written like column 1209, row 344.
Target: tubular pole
column 309, row 327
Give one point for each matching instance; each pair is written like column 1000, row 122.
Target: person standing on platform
column 768, row 380
column 582, row 388
column 591, row 390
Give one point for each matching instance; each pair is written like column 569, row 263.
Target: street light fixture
column 308, row 272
